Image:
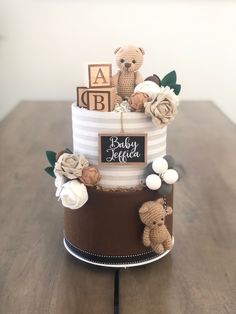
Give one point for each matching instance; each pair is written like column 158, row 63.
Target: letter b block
column 96, row 99
column 99, row 75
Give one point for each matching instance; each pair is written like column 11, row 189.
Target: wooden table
column 38, row 276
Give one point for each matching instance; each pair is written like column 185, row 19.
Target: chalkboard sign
column 122, row 149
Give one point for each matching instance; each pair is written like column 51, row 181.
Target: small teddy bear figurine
column 155, row 234
column 128, row 59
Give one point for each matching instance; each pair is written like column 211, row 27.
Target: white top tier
column 88, row 124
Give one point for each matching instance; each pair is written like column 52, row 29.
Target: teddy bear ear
column 160, row 201
column 169, row 210
column 117, row 49
column 144, row 208
column 142, row 50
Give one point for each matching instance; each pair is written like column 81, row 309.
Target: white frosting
column 88, row 124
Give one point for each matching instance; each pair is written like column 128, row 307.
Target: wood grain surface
column 38, row 276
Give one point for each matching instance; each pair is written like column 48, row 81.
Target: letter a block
column 99, row 75
column 102, row 99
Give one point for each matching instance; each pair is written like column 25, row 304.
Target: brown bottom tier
column 107, row 229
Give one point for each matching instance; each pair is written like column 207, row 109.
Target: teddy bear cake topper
column 129, row 59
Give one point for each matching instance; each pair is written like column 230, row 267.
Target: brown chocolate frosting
column 109, row 224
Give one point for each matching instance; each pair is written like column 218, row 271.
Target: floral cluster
column 156, row 98
column 72, row 174
column 161, row 175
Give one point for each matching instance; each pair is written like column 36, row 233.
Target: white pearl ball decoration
column 160, row 165
column 170, row 176
column 153, row 182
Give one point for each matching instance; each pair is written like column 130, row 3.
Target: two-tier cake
column 117, row 184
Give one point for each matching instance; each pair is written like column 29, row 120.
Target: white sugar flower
column 59, row 181
column 148, row 87
column 74, row 194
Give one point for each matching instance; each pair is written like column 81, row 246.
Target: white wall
column 45, row 44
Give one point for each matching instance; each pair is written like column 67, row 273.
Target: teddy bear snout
column 161, row 222
column 127, row 65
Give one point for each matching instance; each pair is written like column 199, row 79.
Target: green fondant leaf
column 50, row 171
column 51, row 156
column 176, row 88
column 169, row 79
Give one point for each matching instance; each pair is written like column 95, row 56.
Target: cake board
column 72, row 250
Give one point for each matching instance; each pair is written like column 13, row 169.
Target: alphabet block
column 102, row 99
column 99, row 75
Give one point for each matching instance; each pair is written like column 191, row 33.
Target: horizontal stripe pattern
column 92, row 148
column 88, row 124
